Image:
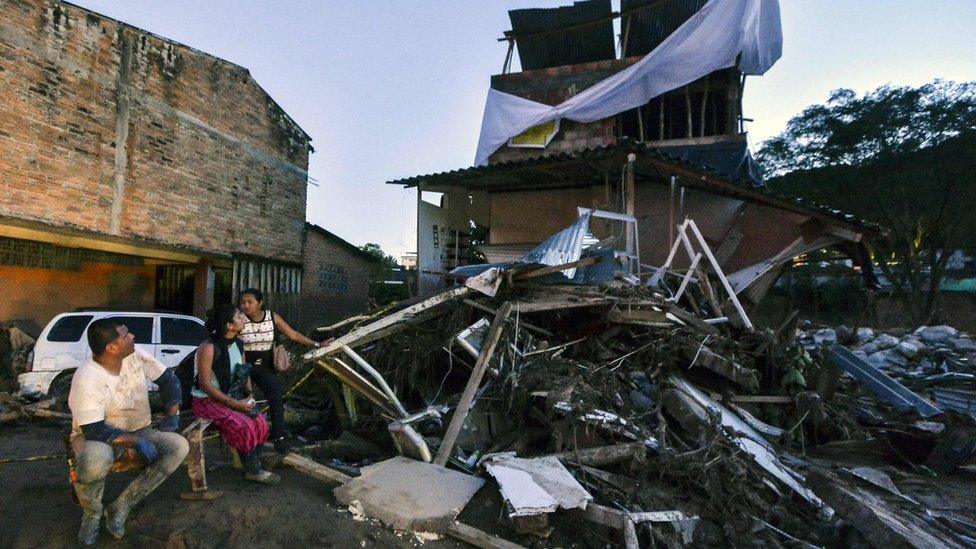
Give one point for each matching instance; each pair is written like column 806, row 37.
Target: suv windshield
column 69, row 328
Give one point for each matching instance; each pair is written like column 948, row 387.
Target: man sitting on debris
column 222, row 392
column 109, row 404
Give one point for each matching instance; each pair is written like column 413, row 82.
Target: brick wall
column 553, row 86
column 335, row 284
column 706, row 107
column 108, row 128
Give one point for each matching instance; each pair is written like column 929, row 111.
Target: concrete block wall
column 40, row 280
column 114, row 130
column 335, row 284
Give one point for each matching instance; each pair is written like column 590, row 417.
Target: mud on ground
column 36, row 509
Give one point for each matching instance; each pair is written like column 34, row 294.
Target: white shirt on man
column 122, row 401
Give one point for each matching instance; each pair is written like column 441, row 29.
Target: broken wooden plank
column 605, row 516
column 315, row 470
column 522, row 323
column 342, row 323
column 658, row 516
column 376, row 376
column 762, row 399
column 701, row 355
column 692, row 320
column 195, row 461
column 351, row 378
column 44, row 412
column 883, row 523
column 630, row 535
column 603, row 455
column 467, row 397
column 560, row 304
column 721, row 275
column 478, row 538
column 694, row 410
column 620, row 482
column 640, row 317
column 364, row 334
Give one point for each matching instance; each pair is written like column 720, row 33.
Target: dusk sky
column 396, row 88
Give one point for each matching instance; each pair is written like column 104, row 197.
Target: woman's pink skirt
column 241, row 432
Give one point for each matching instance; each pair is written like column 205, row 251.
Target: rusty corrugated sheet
column 526, row 173
column 651, row 21
column 553, row 49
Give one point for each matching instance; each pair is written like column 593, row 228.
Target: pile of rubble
column 657, row 412
column 14, row 409
column 15, row 347
column 927, row 350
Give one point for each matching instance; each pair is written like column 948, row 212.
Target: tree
column 897, row 157
column 380, row 272
column 889, row 121
column 383, row 261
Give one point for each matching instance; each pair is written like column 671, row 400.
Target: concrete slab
column 410, row 495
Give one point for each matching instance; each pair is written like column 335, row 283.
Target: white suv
column 63, row 345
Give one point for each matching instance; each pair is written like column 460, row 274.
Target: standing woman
column 221, row 392
column 259, row 336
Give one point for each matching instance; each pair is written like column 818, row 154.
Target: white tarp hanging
column 708, row 41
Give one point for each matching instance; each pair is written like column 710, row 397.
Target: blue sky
column 391, row 89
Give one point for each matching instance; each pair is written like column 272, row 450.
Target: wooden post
column 196, row 465
column 315, row 470
column 704, row 103
column 467, row 397
column 660, row 118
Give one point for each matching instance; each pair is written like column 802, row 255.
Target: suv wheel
column 59, row 389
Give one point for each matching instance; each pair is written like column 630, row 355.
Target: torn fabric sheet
column 708, row 41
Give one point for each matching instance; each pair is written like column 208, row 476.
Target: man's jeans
column 96, row 458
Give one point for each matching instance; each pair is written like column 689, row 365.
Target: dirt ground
column 36, row 509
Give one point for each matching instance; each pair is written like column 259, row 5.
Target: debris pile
column 16, row 345
column 15, row 409
column 657, row 411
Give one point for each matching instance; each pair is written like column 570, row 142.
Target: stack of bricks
column 110, row 129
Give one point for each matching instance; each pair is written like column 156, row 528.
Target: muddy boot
column 253, row 471
column 118, row 511
column 90, row 499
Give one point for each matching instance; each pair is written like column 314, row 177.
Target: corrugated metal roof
column 653, row 21
column 587, row 43
column 587, row 166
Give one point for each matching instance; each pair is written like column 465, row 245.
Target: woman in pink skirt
column 222, row 392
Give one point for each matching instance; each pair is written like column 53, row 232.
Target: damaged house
column 642, row 135
column 140, row 173
column 598, row 366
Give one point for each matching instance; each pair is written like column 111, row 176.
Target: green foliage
column 848, row 130
column 383, row 261
column 898, row 157
column 381, row 270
